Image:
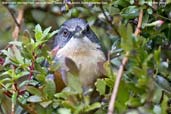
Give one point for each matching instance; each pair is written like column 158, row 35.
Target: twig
column 13, row 104
column 15, row 35
column 29, row 109
column 17, row 28
column 121, row 69
column 108, row 19
column 13, row 16
column 138, row 29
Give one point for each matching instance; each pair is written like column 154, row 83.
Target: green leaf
column 157, row 56
column 93, row 107
column 38, row 28
column 101, row 86
column 64, row 111
column 150, row 11
column 74, row 83
column 18, row 55
column 53, row 33
column 38, row 36
column 66, row 92
column 49, row 89
column 16, row 43
column 46, row 31
column 122, row 3
column 23, row 73
column 34, row 91
column 127, row 39
column 130, row 12
column 107, row 67
column 164, row 105
column 163, row 83
column 34, row 99
column 110, row 82
column 45, row 104
column 38, row 32
column 14, row 98
column 133, row 102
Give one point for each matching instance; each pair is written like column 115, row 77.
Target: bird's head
column 75, row 28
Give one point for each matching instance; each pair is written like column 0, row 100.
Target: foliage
column 145, row 86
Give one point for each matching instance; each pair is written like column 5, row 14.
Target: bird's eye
column 65, row 33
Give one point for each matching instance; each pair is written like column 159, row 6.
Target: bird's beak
column 55, row 50
column 78, row 34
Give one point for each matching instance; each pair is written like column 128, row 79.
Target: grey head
column 75, row 27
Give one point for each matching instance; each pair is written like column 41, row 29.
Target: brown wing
column 59, row 81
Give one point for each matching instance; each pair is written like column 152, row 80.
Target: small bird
column 76, row 41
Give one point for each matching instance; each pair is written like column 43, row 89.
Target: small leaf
column 33, row 90
column 133, row 102
column 157, row 56
column 163, row 83
column 64, row 111
column 16, row 43
column 38, row 36
column 45, row 104
column 150, row 11
column 22, row 74
column 38, row 28
column 101, row 86
column 93, row 106
column 18, row 55
column 46, row 31
column 127, row 37
column 34, row 99
column 38, row 32
column 130, row 12
column 53, row 33
column 14, row 98
column 49, row 89
column 74, row 83
column 107, row 68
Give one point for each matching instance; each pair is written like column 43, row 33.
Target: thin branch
column 28, row 108
column 162, row 17
column 15, row 35
column 108, row 19
column 138, row 29
column 13, row 16
column 13, row 104
column 17, row 28
column 121, row 69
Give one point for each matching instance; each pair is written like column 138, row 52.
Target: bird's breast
column 86, row 56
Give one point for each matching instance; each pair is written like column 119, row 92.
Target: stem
column 13, row 104
column 13, row 16
column 108, row 19
column 17, row 28
column 29, row 109
column 121, row 69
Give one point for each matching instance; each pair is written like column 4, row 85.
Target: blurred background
column 54, row 14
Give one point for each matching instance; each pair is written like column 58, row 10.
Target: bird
column 77, row 42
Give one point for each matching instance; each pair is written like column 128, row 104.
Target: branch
column 28, row 108
column 13, row 103
column 138, row 29
column 121, row 69
column 13, row 16
column 17, row 28
column 108, row 19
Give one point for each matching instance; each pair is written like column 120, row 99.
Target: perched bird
column 76, row 41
